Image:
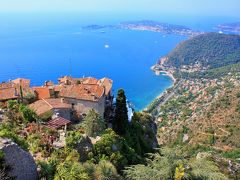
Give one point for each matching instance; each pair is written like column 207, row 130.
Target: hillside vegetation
column 211, row 50
column 199, row 117
column 214, row 73
column 203, row 117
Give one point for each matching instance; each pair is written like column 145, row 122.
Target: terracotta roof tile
column 23, row 82
column 58, row 122
column 8, row 93
column 88, row 80
column 68, row 80
column 5, row 85
column 82, row 92
column 42, row 92
column 45, row 105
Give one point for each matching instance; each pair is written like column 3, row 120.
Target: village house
column 42, row 92
column 53, row 107
column 86, row 93
column 71, row 98
column 79, row 95
column 84, row 97
column 14, row 89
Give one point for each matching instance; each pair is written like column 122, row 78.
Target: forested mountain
column 211, row 50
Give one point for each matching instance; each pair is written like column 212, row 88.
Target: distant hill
column 148, row 25
column 229, row 27
column 212, row 50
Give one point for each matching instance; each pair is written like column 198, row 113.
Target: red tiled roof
column 8, row 93
column 57, row 123
column 48, row 83
column 67, row 80
column 82, row 92
column 42, row 92
column 45, row 105
column 21, row 81
column 5, row 85
column 11, row 90
column 88, row 80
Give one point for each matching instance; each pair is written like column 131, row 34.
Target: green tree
column 205, row 169
column 120, row 123
column 93, row 124
column 172, row 164
column 28, row 114
column 115, row 149
column 105, row 170
column 73, row 137
column 71, row 170
column 141, row 133
column 30, row 97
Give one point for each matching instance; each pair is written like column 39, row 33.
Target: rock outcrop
column 21, row 163
column 84, row 146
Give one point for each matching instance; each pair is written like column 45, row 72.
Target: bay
column 42, row 48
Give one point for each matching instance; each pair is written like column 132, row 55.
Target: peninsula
column 229, row 27
column 148, row 25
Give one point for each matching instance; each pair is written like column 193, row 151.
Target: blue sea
column 45, row 47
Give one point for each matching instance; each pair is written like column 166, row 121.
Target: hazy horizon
column 223, row 8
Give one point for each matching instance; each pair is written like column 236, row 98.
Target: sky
column 191, row 7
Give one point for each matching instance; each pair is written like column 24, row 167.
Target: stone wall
column 21, row 162
column 64, row 113
column 82, row 106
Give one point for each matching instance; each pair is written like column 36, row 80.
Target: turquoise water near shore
column 45, row 49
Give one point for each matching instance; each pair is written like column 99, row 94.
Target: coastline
column 164, row 96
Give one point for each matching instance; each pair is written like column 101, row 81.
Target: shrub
column 8, row 132
column 93, row 124
column 115, row 149
column 73, row 137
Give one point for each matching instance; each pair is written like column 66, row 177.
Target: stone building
column 14, row 89
column 83, row 98
column 55, row 107
column 72, row 98
column 86, row 93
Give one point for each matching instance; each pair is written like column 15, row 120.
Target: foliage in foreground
column 115, row 149
column 93, row 124
column 64, row 164
column 171, row 164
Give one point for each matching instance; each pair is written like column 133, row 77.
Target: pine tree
column 120, row 124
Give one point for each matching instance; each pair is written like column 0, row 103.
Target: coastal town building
column 14, row 89
column 86, row 93
column 42, row 92
column 71, row 98
column 52, row 107
column 84, row 98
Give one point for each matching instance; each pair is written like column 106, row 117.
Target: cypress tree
column 120, row 123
